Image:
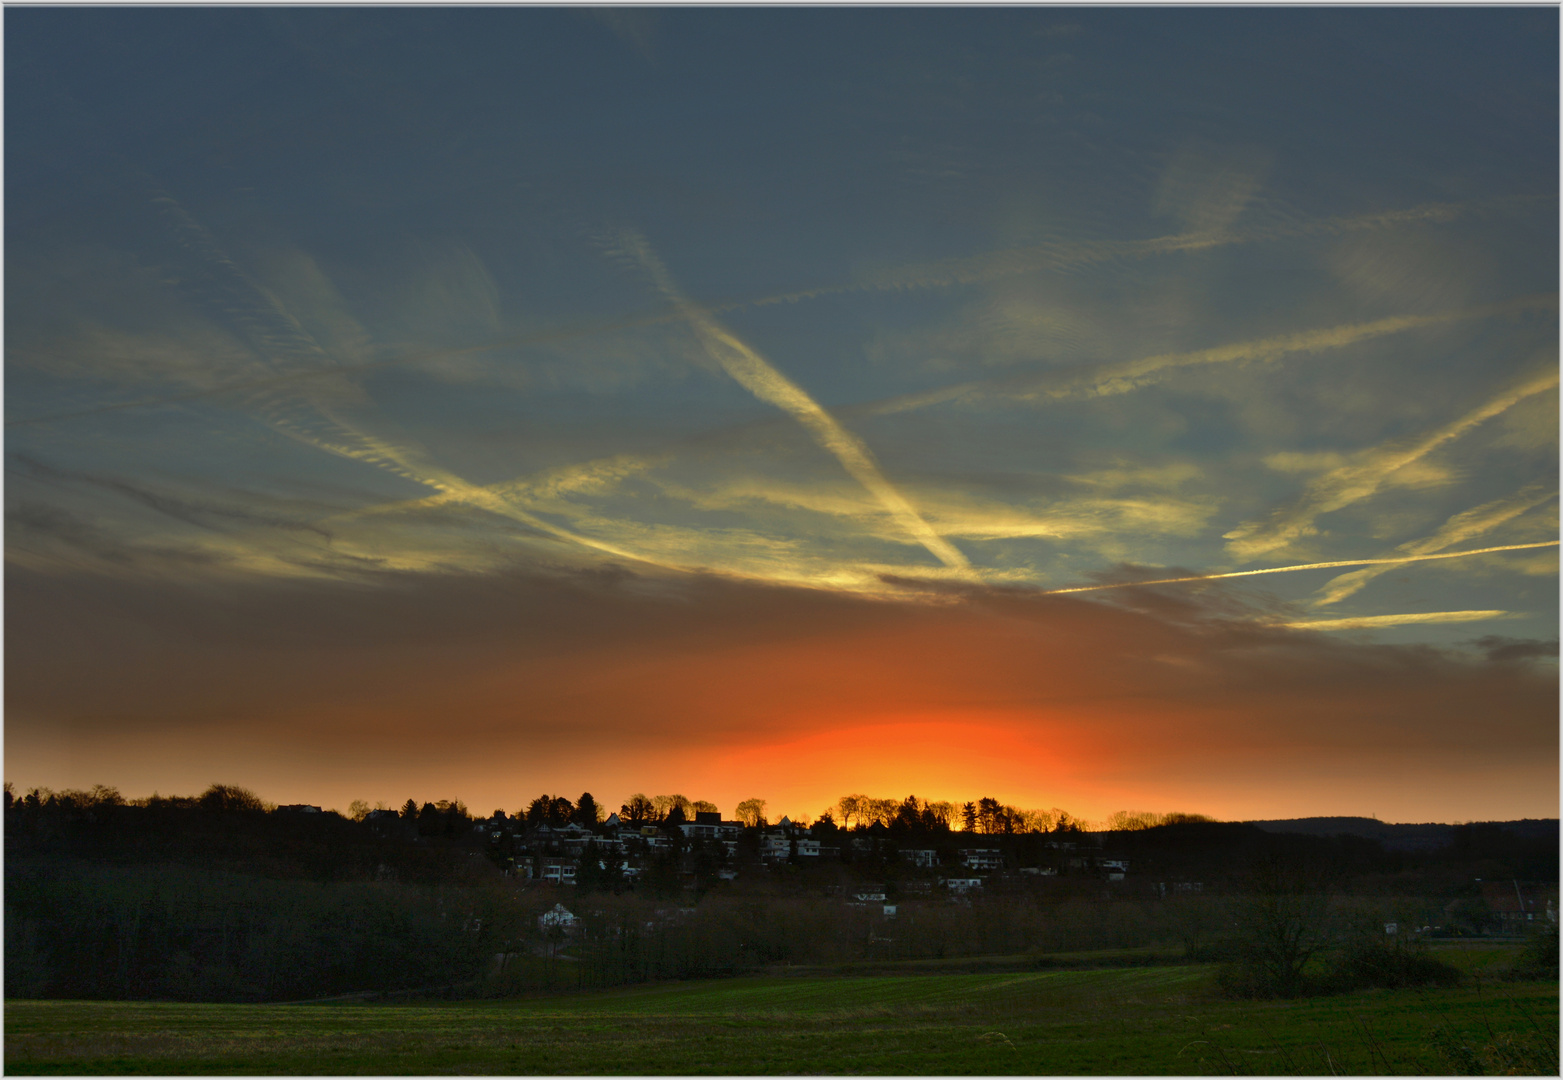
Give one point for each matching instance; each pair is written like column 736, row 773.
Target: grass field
column 1155, row 1020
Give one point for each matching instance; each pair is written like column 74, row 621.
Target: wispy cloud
column 1365, row 473
column 1101, row 380
column 760, row 378
column 309, row 412
column 237, row 292
column 1188, row 578
column 1063, row 254
column 1457, row 530
column 1369, row 622
column 204, row 513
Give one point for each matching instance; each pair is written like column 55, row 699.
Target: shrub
column 1539, row 960
column 1371, row 964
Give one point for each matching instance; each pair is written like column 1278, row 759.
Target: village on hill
column 908, row 852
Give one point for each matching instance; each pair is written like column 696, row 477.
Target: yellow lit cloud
column 1063, row 253
column 756, row 375
column 1457, row 530
column 1369, row 622
column 1305, row 566
column 1365, row 473
column 1104, row 380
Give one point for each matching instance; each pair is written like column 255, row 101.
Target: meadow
column 1124, row 1020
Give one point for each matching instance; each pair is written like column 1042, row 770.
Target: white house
column 982, row 858
column 559, row 916
column 559, row 871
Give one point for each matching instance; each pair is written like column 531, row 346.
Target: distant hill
column 1424, row 837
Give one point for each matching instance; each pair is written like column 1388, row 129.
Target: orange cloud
column 493, row 690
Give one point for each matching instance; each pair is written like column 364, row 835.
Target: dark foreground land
column 1143, row 1020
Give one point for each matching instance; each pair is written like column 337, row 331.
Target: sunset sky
column 473, row 403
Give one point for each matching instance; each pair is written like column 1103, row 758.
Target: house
column 558, row 916
column 1040, row 871
column 924, row 857
column 962, row 884
column 982, row 858
column 558, row 871
column 1514, row 904
column 778, row 843
column 710, row 826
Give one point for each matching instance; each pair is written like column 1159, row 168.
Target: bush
column 1249, row 977
column 1370, row 964
column 1539, row 960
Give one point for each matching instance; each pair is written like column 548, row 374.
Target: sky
column 786, row 403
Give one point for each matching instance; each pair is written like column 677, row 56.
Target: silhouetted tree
column 851, row 808
column 595, row 874
column 751, row 812
column 587, row 812
column 666, row 803
column 637, row 810
column 1282, row 923
column 227, row 799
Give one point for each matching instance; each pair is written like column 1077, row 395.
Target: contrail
column 1108, row 379
column 1059, row 254
column 1463, row 527
column 988, row 266
column 1367, row 473
column 1306, row 566
column 755, row 374
column 275, row 335
column 1365, row 622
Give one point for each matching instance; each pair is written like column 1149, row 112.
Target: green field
column 1127, row 1020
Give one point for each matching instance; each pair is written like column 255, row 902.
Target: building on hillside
column 709, row 825
column 1514, row 903
column 558, row 916
column 982, row 858
column 779, row 843
column 557, row 871
column 921, row 857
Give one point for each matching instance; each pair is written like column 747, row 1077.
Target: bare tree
column 751, row 812
column 1283, row 922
